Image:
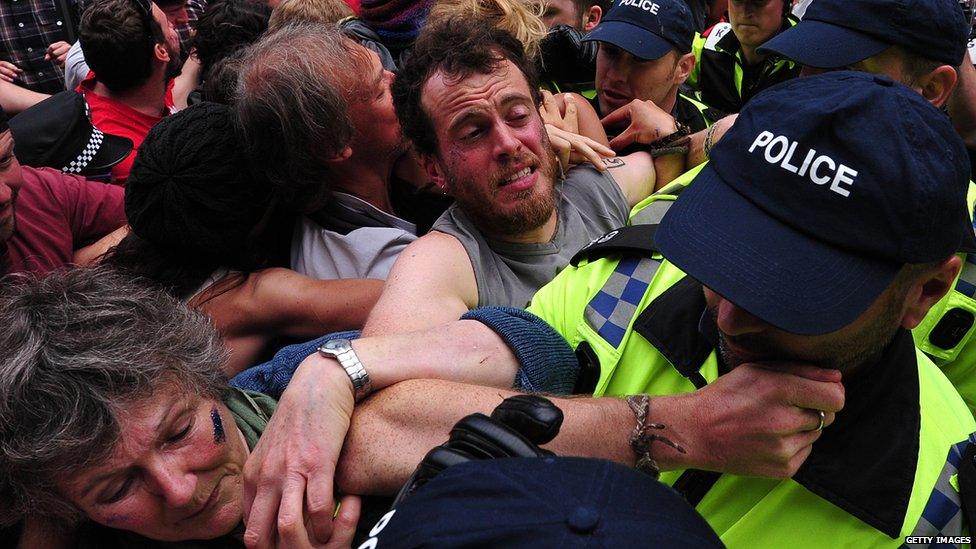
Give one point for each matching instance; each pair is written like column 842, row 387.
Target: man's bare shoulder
column 436, row 245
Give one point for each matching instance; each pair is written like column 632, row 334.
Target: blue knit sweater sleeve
column 547, row 363
column 272, row 377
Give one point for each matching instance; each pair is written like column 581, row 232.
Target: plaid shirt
column 194, row 9
column 27, row 28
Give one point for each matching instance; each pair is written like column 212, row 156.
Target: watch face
column 334, row 345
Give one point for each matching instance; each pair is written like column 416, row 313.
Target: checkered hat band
column 94, row 143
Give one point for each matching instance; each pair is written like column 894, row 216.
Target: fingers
column 587, row 150
column 807, row 371
column 290, row 523
column 261, row 516
column 625, row 139
column 344, row 526
column 816, row 395
column 799, row 385
column 575, row 149
column 562, row 148
column 617, row 117
column 320, row 506
column 9, row 71
column 598, row 147
column 550, row 110
column 571, row 120
column 57, row 52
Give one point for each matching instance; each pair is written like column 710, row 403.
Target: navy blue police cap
column 542, row 502
column 837, row 33
column 815, row 198
column 647, row 29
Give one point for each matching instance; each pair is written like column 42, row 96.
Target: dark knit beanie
column 190, row 192
column 397, row 22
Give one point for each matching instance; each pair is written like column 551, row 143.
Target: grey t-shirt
column 589, row 204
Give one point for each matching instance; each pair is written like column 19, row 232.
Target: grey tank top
column 589, row 204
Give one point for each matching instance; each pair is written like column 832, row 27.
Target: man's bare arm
column 94, row 251
column 16, row 99
column 296, row 456
column 635, row 174
column 753, row 421
column 431, row 283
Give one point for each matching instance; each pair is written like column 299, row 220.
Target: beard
column 175, row 65
column 533, row 206
column 847, row 352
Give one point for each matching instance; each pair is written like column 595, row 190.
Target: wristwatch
column 341, row 350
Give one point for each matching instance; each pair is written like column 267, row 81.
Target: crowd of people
column 330, row 273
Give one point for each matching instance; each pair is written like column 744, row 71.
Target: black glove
column 567, row 60
column 516, row 428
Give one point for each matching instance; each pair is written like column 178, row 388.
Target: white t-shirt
column 366, row 252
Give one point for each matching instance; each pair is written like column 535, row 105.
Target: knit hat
column 397, row 22
column 190, row 191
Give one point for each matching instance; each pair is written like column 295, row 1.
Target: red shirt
column 57, row 213
column 114, row 117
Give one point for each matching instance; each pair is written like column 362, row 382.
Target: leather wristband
column 675, row 143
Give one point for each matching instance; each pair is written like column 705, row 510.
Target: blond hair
column 520, row 18
column 328, row 12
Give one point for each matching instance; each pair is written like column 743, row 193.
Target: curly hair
column 458, row 47
column 76, row 347
column 520, row 18
column 227, row 26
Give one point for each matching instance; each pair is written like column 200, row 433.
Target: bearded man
column 134, row 54
column 469, row 100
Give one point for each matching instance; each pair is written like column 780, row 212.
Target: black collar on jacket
column 865, row 461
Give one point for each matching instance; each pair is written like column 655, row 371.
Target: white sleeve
column 75, row 67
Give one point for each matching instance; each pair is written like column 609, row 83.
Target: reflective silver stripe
column 943, row 512
column 610, row 311
column 652, row 214
column 968, row 273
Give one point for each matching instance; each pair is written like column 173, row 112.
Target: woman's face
column 176, row 473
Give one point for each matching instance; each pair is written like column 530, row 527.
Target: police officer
column 729, row 70
column 645, row 53
column 800, row 245
column 923, row 45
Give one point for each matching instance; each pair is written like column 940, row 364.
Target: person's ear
column 592, row 18
column 937, row 85
column 928, row 289
column 433, row 168
column 161, row 53
column 344, row 154
column 686, row 64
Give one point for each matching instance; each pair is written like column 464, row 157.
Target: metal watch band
column 341, row 350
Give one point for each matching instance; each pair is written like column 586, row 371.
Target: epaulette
column 633, row 240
